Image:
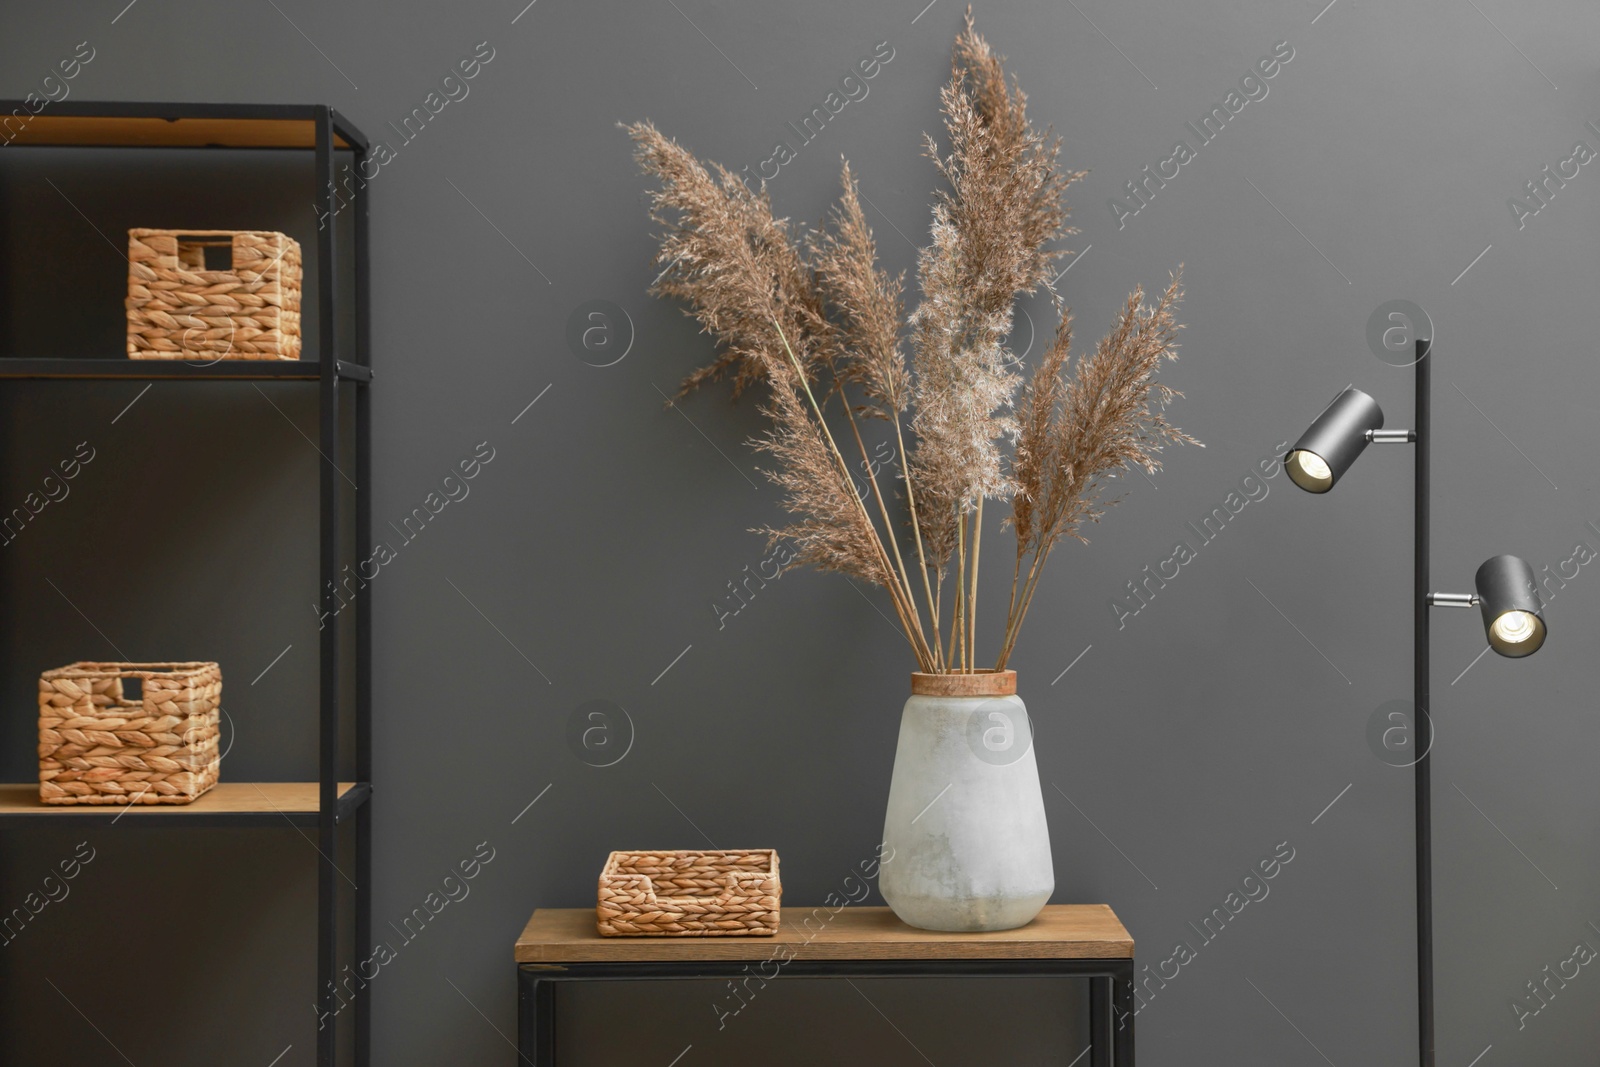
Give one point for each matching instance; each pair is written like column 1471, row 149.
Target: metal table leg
column 1123, row 1006
column 536, row 1020
column 1099, row 1022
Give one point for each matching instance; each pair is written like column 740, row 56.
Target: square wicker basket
column 101, row 744
column 729, row 893
column 178, row 309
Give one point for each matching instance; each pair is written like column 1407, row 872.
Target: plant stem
column 1011, row 608
column 894, row 542
column 1018, row 606
column 958, row 622
column 910, row 623
column 1035, row 571
column 916, row 530
column 972, row 597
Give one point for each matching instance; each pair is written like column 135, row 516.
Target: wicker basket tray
column 730, row 893
column 100, row 744
column 178, row 309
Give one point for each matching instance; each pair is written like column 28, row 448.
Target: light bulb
column 1309, row 471
column 1312, row 464
column 1514, row 627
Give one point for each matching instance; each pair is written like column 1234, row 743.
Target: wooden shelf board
column 164, row 369
column 226, row 803
column 50, row 128
column 1061, row 932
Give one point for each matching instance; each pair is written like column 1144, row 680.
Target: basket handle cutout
column 201, row 253
column 736, row 879
column 130, row 690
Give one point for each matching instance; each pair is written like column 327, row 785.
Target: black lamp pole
column 1422, row 770
column 1507, row 593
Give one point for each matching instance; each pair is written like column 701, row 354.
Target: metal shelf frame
column 323, row 131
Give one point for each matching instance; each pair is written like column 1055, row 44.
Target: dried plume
column 991, row 230
column 742, row 276
column 866, row 305
column 736, row 267
column 1078, row 432
column 810, row 317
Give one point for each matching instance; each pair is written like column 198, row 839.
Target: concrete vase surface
column 966, row 843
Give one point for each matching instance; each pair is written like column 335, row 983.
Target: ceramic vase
column 965, row 838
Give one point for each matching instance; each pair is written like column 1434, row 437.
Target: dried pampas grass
column 813, row 319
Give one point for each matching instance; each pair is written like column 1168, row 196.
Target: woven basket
column 690, row 894
column 98, row 744
column 177, row 309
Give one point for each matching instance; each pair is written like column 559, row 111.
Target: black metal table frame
column 1111, row 1008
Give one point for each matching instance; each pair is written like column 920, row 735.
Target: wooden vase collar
column 984, row 683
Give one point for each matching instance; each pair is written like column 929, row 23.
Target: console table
column 1065, row 941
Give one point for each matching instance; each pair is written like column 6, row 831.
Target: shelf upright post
column 328, row 725
column 363, row 400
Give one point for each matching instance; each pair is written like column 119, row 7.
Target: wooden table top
column 1061, row 932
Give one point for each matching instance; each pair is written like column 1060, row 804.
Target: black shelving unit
column 328, row 804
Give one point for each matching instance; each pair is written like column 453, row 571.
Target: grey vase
column 965, row 836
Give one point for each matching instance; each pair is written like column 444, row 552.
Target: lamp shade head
column 1333, row 441
column 1513, row 613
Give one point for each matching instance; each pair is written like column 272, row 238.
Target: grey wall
column 1217, row 723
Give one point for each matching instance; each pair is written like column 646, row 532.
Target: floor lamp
column 1507, row 594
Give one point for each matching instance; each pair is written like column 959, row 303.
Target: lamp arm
column 1392, row 437
column 1454, row 600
